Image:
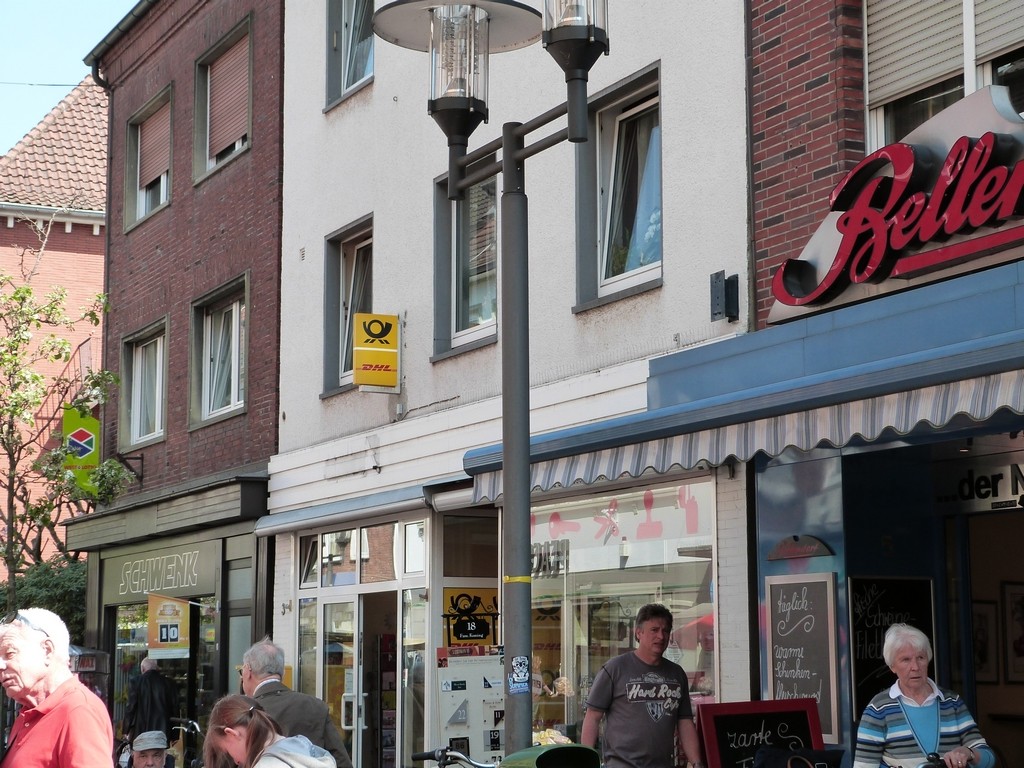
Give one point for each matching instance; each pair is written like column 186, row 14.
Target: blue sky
column 41, row 52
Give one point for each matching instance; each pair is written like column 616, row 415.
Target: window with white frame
column 220, row 342
column 224, row 357
column 144, row 374
column 629, row 136
column 349, row 46
column 475, row 262
column 222, row 102
column 348, row 291
column 147, row 177
column 631, row 199
column 466, row 265
column 618, row 193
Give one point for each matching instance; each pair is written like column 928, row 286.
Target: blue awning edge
column 404, row 499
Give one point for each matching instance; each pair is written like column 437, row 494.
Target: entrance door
column 360, row 673
column 341, row 671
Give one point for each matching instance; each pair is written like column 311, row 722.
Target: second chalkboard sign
column 876, row 603
column 733, row 732
column 802, row 643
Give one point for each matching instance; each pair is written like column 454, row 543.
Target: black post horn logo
column 376, row 331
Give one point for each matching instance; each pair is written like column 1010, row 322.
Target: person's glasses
column 19, row 617
column 239, row 669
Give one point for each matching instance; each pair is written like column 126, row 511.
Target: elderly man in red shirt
column 61, row 723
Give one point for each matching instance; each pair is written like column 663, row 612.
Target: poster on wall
column 471, row 700
column 802, row 644
column 876, row 603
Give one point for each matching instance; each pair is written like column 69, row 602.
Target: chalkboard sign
column 876, row 603
column 802, row 643
column 732, row 733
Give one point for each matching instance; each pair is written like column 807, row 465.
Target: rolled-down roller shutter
column 999, row 27
column 229, row 97
column 911, row 44
column 155, row 146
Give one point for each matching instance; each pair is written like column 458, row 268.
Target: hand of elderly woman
column 959, row 757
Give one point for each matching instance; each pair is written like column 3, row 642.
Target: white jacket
column 295, row 752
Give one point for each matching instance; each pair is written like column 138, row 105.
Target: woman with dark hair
column 240, row 729
column 914, row 720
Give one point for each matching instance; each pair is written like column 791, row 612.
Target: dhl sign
column 375, row 352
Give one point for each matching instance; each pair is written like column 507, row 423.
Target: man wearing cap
column 149, row 750
column 61, row 723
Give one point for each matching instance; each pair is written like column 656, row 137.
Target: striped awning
column 901, row 413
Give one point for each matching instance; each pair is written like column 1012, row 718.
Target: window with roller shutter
column 923, row 57
column 148, row 159
column 222, row 102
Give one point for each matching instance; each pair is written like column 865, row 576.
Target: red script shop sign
column 914, row 211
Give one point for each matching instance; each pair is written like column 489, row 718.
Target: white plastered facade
column 377, row 152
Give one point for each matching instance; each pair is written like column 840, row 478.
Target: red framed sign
column 733, row 732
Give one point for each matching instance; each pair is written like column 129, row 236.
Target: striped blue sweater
column 886, row 734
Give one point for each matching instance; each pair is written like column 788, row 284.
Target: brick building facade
column 807, row 122
column 193, row 268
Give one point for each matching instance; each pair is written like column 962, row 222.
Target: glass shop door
column 361, row 674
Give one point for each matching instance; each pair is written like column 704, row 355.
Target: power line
column 40, row 85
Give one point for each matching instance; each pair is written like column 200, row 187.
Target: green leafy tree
column 58, row 585
column 36, row 492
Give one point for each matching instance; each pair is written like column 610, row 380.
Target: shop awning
column 343, row 511
column 901, row 413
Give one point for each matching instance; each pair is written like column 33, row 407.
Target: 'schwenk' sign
column 946, row 200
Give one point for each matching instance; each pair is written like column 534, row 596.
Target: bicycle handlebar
column 444, row 756
column 186, row 725
column 434, row 754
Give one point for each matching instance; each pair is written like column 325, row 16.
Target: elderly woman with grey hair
column 915, row 721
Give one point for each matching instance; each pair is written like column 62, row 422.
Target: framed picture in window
column 985, row 622
column 1013, row 630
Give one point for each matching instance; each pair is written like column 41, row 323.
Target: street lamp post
column 459, row 38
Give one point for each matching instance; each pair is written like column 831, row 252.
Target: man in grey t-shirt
column 645, row 701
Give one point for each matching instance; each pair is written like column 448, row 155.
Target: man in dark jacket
column 152, row 702
column 298, row 714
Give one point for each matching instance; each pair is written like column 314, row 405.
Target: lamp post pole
column 458, row 37
column 515, row 440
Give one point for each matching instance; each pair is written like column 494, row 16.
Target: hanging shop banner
column 168, row 627
column 471, row 616
column 375, row 351
column 82, row 439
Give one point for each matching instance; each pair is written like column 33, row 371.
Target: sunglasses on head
column 19, row 617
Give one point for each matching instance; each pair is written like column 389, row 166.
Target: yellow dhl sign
column 375, row 350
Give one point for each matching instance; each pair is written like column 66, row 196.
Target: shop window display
column 191, row 667
column 596, row 560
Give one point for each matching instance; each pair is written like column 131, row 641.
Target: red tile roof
column 63, row 160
